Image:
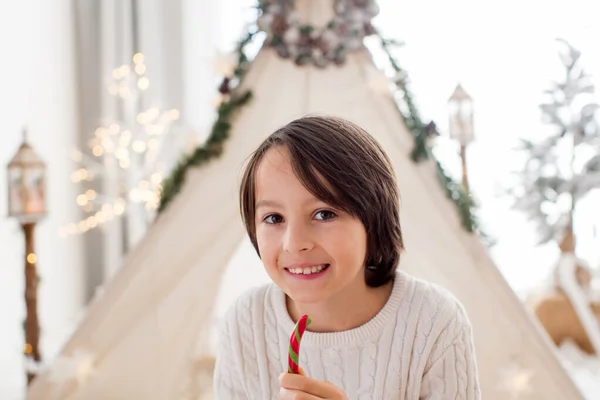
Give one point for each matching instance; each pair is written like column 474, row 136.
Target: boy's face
column 310, row 250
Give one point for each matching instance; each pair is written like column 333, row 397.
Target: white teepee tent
column 137, row 341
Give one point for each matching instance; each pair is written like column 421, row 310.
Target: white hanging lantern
column 460, row 108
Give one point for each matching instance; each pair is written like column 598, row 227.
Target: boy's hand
column 301, row 387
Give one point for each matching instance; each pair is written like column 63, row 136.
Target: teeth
column 307, row 271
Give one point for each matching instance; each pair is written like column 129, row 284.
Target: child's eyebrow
column 266, row 203
column 271, row 203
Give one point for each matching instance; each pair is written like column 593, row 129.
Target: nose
column 297, row 238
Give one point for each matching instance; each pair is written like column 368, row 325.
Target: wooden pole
column 32, row 326
column 465, row 178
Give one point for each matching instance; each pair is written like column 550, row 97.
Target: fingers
column 302, row 383
column 290, row 394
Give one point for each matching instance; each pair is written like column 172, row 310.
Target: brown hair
column 343, row 166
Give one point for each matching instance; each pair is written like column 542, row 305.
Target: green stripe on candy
column 294, row 356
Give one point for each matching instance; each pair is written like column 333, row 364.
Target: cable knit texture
column 418, row 347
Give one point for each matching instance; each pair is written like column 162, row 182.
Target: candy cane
column 295, row 338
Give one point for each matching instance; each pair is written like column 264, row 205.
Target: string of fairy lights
column 123, row 157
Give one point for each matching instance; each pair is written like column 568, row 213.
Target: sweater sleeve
column 227, row 380
column 452, row 368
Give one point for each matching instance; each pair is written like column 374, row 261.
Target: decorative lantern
column 26, row 185
column 27, row 203
column 460, row 107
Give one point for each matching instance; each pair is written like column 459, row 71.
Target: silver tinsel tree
column 564, row 166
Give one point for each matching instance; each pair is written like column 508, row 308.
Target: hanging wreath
column 307, row 44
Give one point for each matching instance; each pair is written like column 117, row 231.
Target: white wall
column 209, row 28
column 37, row 78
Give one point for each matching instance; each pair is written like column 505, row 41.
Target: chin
column 307, row 296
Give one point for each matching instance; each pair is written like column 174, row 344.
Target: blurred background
column 74, row 73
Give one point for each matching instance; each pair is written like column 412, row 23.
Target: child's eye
column 273, row 219
column 325, row 215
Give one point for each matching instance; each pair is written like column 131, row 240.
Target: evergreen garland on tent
column 319, row 49
column 220, row 129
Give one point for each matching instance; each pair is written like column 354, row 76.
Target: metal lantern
column 26, row 185
column 460, row 107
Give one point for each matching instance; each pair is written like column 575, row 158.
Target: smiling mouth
column 315, row 269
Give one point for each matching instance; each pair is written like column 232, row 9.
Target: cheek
column 349, row 245
column 268, row 245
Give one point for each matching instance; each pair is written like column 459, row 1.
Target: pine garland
column 421, row 151
column 214, row 145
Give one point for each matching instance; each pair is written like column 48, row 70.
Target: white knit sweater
column 419, row 346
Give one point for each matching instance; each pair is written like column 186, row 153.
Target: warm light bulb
column 90, row 194
column 152, row 113
column 82, row 200
column 119, row 209
column 82, row 226
column 125, row 138
column 138, row 58
column 108, row 145
column 151, row 205
column 124, row 70
column 101, row 132
column 121, row 153
column 155, row 129
column 139, row 146
column 98, row 150
column 92, row 222
column 31, row 258
column 114, row 129
column 100, row 217
column 135, row 195
column 143, row 83
column 140, row 69
column 141, row 118
column 156, row 178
